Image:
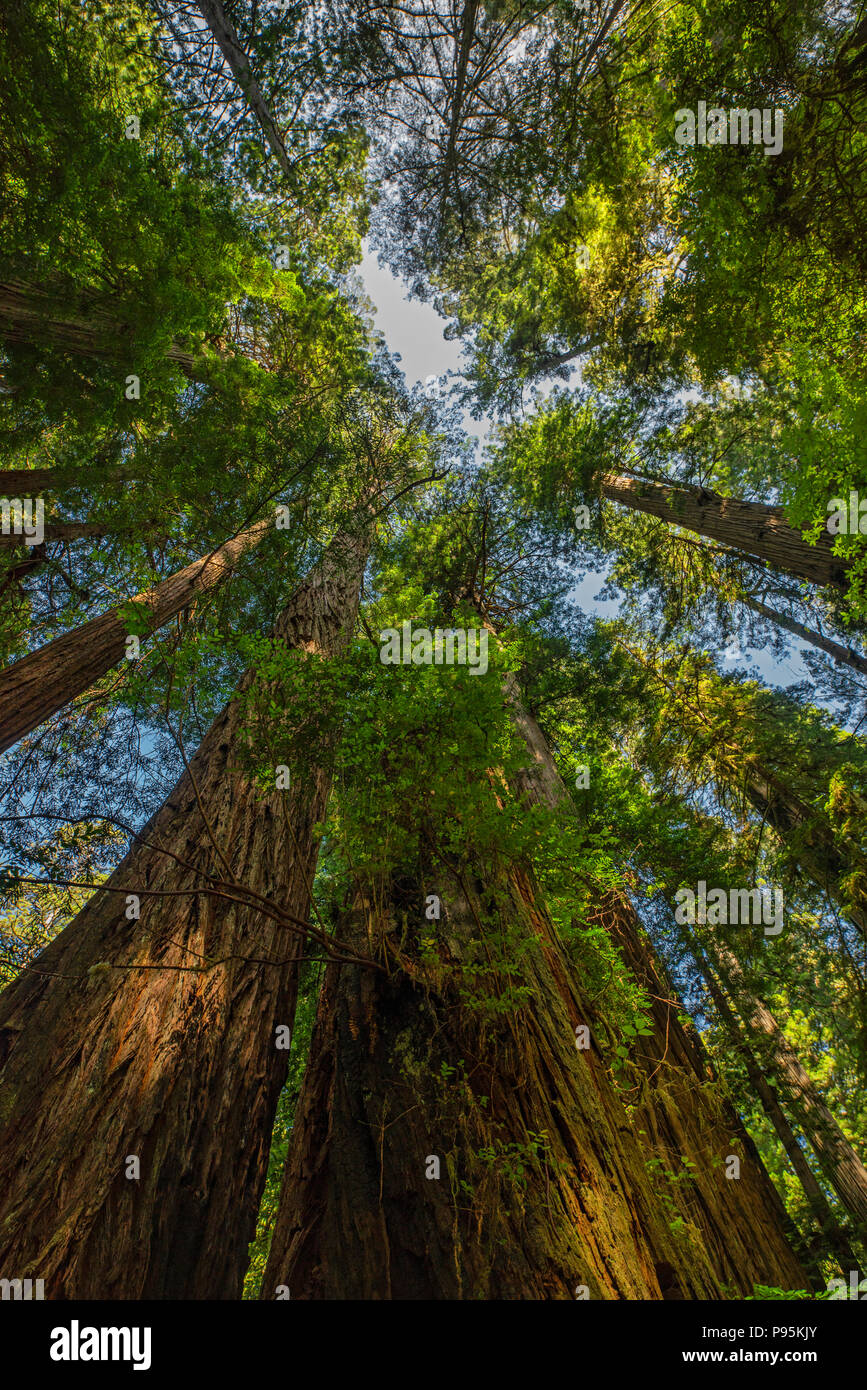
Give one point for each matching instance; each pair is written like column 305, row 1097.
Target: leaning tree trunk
column 832, row 1238
column 840, row 1164
column 805, row 830
column 43, row 682
column 752, row 527
column 36, row 316
column 683, row 1113
column 156, row 1038
column 844, row 656
column 226, row 37
column 30, row 482
column 835, row 861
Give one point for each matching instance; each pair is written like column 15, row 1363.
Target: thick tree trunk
column 72, row 531
column 752, row 527
column 845, row 656
column 46, row 680
column 30, row 314
column 841, row 1166
column 30, row 482
column 33, row 315
column 833, row 1238
column 402, row 1072
column 438, row 1157
column 685, row 1116
column 157, row 1037
column 681, row 1113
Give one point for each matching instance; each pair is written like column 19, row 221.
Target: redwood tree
column 46, row 680
column 139, row 1067
column 455, row 1138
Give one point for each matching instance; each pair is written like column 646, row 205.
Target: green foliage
column 766, row 1292
column 282, row 1135
column 715, row 300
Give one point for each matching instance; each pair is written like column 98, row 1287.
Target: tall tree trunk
column 434, row 1156
column 226, row 37
column 752, row 527
column 541, row 1187
column 840, row 1164
column 845, row 656
column 46, row 680
column 35, row 315
column 685, row 1116
column 681, row 1113
column 74, row 531
column 157, row 1037
column 832, row 1237
column 29, row 482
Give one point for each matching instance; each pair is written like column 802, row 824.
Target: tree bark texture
column 440, row 1155
column 157, row 1037
column 44, row 681
column 681, row 1112
column 752, row 527
column 32, row 315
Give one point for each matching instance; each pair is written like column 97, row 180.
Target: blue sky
column 414, row 332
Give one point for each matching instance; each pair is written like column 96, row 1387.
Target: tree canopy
column 400, row 791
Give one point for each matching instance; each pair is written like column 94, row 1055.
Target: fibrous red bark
column 156, row 1038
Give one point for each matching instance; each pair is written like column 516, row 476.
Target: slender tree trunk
column 833, row 1238
column 223, row 31
column 156, row 1037
column 811, row 841
column 35, row 557
column 752, row 527
column 836, row 862
column 840, row 1164
column 845, row 656
column 46, row 680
